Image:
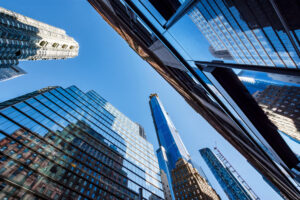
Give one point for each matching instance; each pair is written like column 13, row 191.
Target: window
column 55, row 45
column 18, row 53
column 64, row 46
column 43, row 43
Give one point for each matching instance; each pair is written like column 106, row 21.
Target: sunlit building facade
column 61, row 143
column 189, row 185
column 23, row 38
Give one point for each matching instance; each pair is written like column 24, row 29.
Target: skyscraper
column 282, row 105
column 230, row 184
column 167, row 135
column 172, row 150
column 220, row 98
column 259, row 32
column 23, row 38
column 66, row 144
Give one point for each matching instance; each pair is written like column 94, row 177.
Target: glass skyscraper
column 171, row 151
column 165, row 37
column 61, row 143
column 231, row 185
column 167, row 135
column 171, row 146
column 252, row 31
column 23, row 38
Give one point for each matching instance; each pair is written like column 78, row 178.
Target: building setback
column 23, row 38
column 189, row 185
column 66, row 144
column 229, row 183
column 282, row 105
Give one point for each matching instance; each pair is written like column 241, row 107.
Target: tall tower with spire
column 173, row 157
column 167, row 135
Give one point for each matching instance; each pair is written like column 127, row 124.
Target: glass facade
column 171, row 148
column 167, row 134
column 250, row 30
column 10, row 72
column 282, row 105
column 278, row 96
column 231, row 186
column 66, row 144
column 166, row 180
column 171, row 43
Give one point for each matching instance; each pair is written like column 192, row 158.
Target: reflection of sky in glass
column 222, row 26
column 191, row 46
column 293, row 144
column 271, row 78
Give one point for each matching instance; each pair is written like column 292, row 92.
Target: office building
column 252, row 31
column 173, row 155
column 171, row 146
column 23, row 38
column 61, row 143
column 189, row 185
column 220, row 99
column 282, row 105
column 232, row 186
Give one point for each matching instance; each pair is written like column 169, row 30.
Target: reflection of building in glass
column 133, row 21
column 253, row 85
column 282, row 105
column 271, row 78
column 285, row 78
column 254, row 32
column 23, row 38
column 188, row 184
column 171, row 149
column 222, row 54
column 65, row 144
column 230, row 184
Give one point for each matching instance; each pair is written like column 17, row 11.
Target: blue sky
column 107, row 65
